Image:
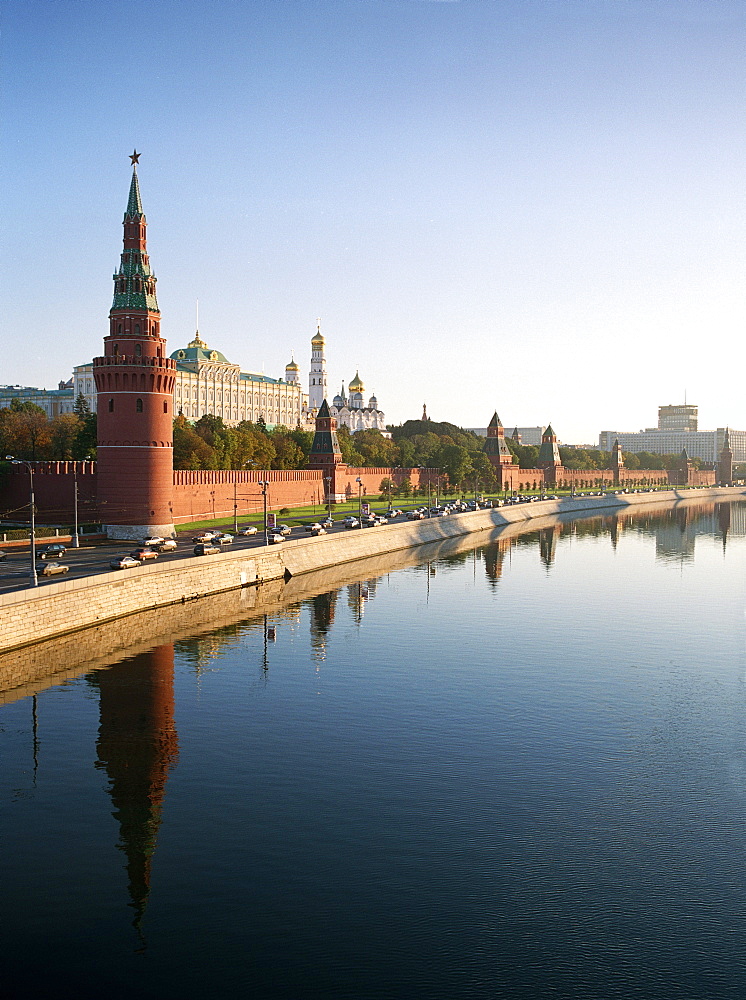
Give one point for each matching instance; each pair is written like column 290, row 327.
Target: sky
column 529, row 206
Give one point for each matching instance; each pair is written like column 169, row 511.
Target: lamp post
column 76, row 535
column 264, row 485
column 33, row 578
column 359, row 501
column 235, row 499
column 328, row 481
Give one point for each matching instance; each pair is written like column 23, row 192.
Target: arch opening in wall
column 138, row 406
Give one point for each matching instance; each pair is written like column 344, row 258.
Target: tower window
column 165, row 406
column 111, row 406
column 138, row 406
column 119, row 330
column 138, row 350
column 137, row 329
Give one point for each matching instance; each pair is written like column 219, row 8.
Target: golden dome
column 317, row 338
column 291, row 366
column 357, row 384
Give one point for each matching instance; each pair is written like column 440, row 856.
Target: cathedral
column 349, row 411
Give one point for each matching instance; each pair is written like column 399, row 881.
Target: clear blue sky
column 534, row 206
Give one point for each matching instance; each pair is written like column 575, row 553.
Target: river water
column 514, row 769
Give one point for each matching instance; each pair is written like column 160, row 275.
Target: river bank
column 70, row 606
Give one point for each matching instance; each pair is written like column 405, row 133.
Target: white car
column 275, row 539
column 153, row 541
column 250, row 529
column 351, row 522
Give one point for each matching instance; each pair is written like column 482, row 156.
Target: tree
column 63, row 433
column 81, row 408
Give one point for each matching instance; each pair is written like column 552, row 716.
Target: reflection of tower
column 322, row 618
column 137, row 746
column 722, row 512
column 548, row 544
column 494, row 556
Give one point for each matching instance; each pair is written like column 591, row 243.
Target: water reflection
column 502, row 776
column 137, row 746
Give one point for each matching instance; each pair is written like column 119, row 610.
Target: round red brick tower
column 134, row 382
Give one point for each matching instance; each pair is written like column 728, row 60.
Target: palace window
column 138, row 406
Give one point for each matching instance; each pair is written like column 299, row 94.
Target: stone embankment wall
column 30, row 616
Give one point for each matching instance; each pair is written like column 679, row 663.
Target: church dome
column 291, row 366
column 357, row 384
column 317, row 340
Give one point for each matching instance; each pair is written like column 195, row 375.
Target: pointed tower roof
column 324, row 410
column 549, row 432
column 134, row 203
column 495, row 422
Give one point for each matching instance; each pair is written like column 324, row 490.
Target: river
column 510, row 767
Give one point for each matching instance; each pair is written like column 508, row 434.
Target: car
column 328, row 523
column 311, row 526
column 153, row 541
column 222, row 539
column 250, row 529
column 206, row 549
column 275, row 538
column 351, row 522
column 51, row 568
column 368, row 521
column 167, row 545
column 205, row 536
column 142, row 554
column 381, row 519
column 51, row 551
column 284, row 529
column 415, row 515
column 124, row 562
column 318, row 530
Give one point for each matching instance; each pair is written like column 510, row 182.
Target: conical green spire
column 495, row 422
column 134, row 204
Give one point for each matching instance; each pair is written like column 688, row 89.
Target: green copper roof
column 134, row 204
column 199, row 354
column 495, row 422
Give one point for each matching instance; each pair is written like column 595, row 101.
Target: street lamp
column 359, row 500
column 76, row 535
column 235, row 499
column 264, row 485
column 328, row 481
column 33, row 578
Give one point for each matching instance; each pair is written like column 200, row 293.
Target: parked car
column 275, row 538
column 124, row 562
column 142, row 554
column 52, row 551
column 206, row 549
column 51, row 568
column 167, row 545
column 222, row 539
column 250, row 529
column 153, row 541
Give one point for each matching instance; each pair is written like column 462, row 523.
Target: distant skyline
column 533, row 206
